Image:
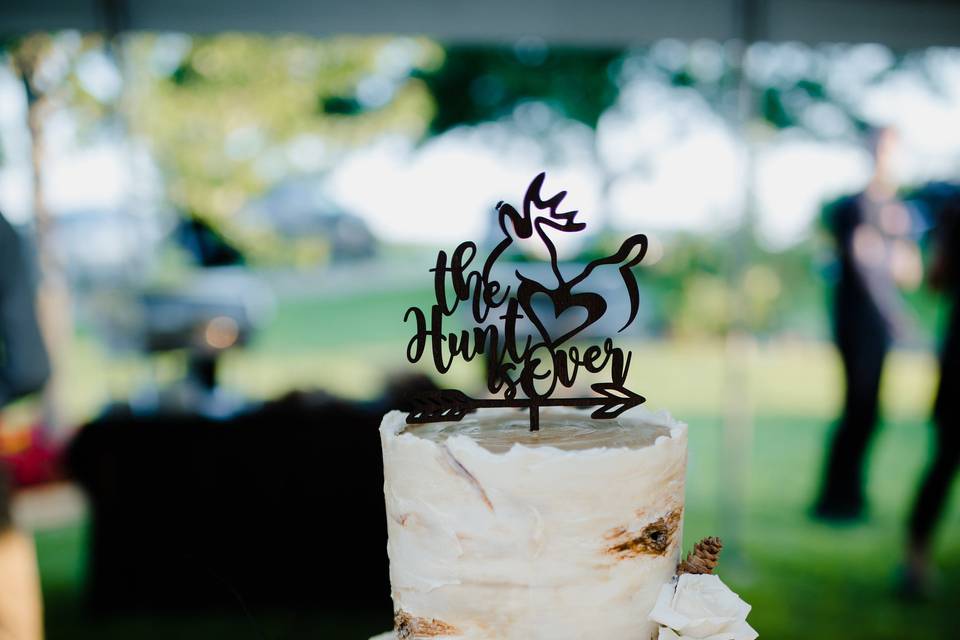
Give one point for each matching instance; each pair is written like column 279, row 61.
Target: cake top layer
column 566, row 429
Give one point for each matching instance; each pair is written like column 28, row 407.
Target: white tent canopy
column 900, row 24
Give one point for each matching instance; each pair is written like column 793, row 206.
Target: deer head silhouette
column 539, row 216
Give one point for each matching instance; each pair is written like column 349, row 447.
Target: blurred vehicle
column 214, row 307
column 299, row 213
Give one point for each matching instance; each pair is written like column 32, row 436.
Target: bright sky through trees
column 677, row 162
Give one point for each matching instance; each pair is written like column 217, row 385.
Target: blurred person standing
column 24, row 364
column 935, row 485
column 24, row 368
column 873, row 232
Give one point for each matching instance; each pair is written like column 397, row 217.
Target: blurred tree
column 230, row 116
column 483, row 83
column 818, row 89
column 46, row 65
column 478, row 84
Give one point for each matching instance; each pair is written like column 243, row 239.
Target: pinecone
column 704, row 558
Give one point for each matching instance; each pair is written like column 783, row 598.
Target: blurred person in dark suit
column 935, row 485
column 24, row 369
column 24, row 365
column 873, row 233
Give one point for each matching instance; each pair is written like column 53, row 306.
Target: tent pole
column 737, row 429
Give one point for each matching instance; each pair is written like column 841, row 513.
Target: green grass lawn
column 804, row 580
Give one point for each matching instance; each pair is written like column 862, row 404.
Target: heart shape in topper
column 562, row 302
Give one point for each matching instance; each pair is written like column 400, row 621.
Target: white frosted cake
column 500, row 533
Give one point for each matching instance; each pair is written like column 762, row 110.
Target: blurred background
column 226, row 208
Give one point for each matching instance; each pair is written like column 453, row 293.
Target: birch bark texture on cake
column 499, row 533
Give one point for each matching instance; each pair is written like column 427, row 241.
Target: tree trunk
column 53, row 295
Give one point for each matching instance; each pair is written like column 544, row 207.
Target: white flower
column 701, row 607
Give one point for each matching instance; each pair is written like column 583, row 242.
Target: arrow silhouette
column 451, row 405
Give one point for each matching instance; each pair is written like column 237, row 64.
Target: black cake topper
column 524, row 371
